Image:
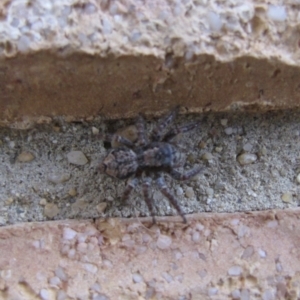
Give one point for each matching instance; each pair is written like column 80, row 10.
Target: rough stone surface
column 80, row 191
column 117, row 59
column 121, row 259
column 120, row 58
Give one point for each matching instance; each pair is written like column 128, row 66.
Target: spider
column 154, row 157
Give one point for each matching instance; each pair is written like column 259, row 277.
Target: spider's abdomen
column 159, row 154
column 120, row 163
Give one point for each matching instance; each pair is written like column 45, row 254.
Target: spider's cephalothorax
column 150, row 157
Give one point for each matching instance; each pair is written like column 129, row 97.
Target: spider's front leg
column 177, row 130
column 117, row 138
column 129, row 187
column 185, row 176
column 166, row 192
column 163, row 123
column 148, row 199
column 140, row 126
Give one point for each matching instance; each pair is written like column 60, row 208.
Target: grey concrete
column 49, row 187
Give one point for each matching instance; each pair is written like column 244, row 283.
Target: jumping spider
column 149, row 157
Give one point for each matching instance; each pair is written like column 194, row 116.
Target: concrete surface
column 37, row 181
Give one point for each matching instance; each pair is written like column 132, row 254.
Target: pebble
column 179, row 191
column 82, row 247
column 9, row 201
column 196, row 236
column 109, row 198
column 72, row 192
column 262, row 253
column 212, row 291
column 167, row 277
column 69, row 233
column 282, row 291
column 189, row 192
column 77, row 158
column 69, row 119
column 43, row 202
column 89, row 119
column 236, row 294
column 12, row 144
column 97, row 296
column 268, row 295
column 202, row 273
column 263, row 150
column 25, row 157
column 163, row 242
column 298, row 178
column 137, row 278
column 287, row 197
column 59, row 178
column 44, row 120
column 72, row 253
column 235, row 222
column 283, row 172
column 209, row 192
column 202, row 145
column 129, row 133
column 218, row 149
column 101, row 207
column 96, row 287
column 45, row 295
column 90, row 268
column 79, row 205
column 54, row 281
column 51, row 210
column 228, row 130
column 190, row 159
column 247, row 158
column 247, row 147
column 245, row 294
column 248, row 252
column 207, row 156
column 95, row 131
column 272, row 224
column 224, row 122
column 279, row 267
column 235, row 271
column 178, row 255
column 59, row 157
column 60, row 273
column 56, row 128
column 61, row 295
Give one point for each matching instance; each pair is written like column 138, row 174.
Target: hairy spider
column 146, row 157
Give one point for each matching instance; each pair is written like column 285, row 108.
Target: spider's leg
column 181, row 129
column 117, row 138
column 163, row 123
column 129, row 187
column 140, row 126
column 148, row 199
column 185, row 176
column 166, row 192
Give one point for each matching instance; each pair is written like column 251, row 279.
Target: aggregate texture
column 117, row 58
column 50, row 171
column 215, row 256
column 68, row 67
